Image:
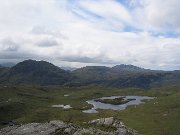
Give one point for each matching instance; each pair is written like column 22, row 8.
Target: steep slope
column 36, row 72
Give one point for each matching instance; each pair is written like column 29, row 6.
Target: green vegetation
column 25, row 104
column 116, row 101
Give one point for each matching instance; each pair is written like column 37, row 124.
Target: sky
column 78, row 33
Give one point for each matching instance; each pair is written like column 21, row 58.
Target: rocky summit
column 60, row 128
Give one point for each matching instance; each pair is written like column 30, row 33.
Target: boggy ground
column 28, row 104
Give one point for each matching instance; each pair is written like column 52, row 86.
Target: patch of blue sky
column 169, row 34
column 129, row 28
column 166, row 34
column 131, row 4
column 83, row 13
column 124, row 2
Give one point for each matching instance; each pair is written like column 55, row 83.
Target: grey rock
column 121, row 129
column 108, row 121
column 71, row 129
column 59, row 127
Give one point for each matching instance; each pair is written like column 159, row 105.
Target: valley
column 27, row 104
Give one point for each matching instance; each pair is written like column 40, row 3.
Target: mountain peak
column 37, row 72
column 127, row 67
column 30, row 61
column 33, row 65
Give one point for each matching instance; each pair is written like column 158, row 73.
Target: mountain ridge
column 32, row 72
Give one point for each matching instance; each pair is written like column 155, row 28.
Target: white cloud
column 8, row 44
column 89, row 32
column 157, row 15
column 111, row 14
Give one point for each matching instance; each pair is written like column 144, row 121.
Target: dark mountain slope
column 91, row 73
column 3, row 75
column 36, row 72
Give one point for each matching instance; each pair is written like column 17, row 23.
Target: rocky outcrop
column 120, row 128
column 61, row 128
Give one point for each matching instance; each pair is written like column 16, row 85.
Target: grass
column 26, row 104
column 116, row 101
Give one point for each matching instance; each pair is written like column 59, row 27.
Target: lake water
column 99, row 105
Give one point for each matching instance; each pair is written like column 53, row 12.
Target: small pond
column 132, row 100
column 62, row 106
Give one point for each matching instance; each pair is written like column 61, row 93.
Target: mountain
column 125, row 76
column 91, row 72
column 36, row 72
column 31, row 72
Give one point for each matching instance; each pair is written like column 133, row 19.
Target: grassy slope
column 160, row 116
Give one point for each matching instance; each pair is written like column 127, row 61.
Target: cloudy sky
column 78, row 33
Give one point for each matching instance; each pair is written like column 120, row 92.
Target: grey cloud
column 42, row 30
column 47, row 43
column 8, row 44
column 18, row 55
column 98, row 60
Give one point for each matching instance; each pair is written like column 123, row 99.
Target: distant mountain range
column 31, row 72
column 7, row 64
column 69, row 68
